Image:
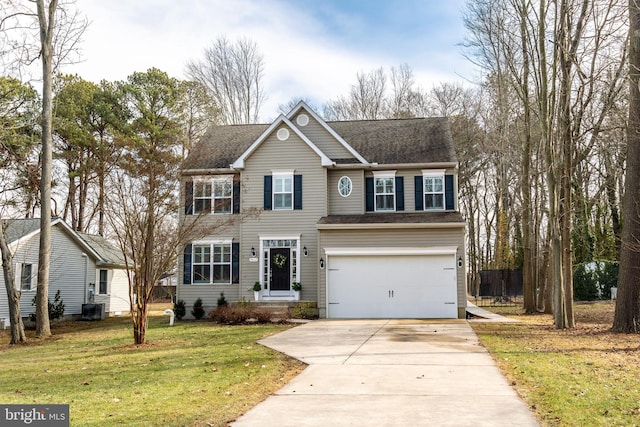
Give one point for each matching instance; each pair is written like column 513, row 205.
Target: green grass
column 191, row 374
column 587, row 376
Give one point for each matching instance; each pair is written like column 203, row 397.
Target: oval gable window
column 345, row 186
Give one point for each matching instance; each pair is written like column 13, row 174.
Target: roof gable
column 239, row 163
column 303, row 106
column 19, row 231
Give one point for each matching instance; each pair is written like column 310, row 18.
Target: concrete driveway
column 389, row 373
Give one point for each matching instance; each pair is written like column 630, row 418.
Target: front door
column 280, row 269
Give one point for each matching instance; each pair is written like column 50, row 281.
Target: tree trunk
column 46, row 19
column 627, row 313
column 13, row 294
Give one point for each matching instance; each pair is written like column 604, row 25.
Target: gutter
column 440, row 165
column 391, row 225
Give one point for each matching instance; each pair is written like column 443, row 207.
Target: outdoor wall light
column 305, row 252
column 321, row 264
column 253, row 252
column 460, row 262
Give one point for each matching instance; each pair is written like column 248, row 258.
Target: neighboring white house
column 84, row 267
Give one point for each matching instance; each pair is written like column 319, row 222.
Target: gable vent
column 283, row 134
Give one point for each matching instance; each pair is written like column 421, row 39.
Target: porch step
column 279, row 309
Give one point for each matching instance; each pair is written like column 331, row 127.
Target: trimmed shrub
column 198, row 310
column 222, row 301
column 304, row 310
column 179, row 309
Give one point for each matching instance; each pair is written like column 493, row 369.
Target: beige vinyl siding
column 275, row 155
column 326, row 142
column 352, row 205
column 395, row 238
column 213, row 226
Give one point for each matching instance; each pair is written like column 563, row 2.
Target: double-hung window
column 213, row 195
column 103, row 282
column 385, row 194
column 212, row 263
column 434, row 191
column 282, row 191
column 26, row 277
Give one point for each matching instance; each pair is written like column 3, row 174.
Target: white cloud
column 305, row 55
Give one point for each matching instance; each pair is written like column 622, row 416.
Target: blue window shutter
column 188, row 198
column 236, row 194
column 369, row 194
column 419, row 192
column 235, row 262
column 297, row 192
column 449, row 203
column 186, row 277
column 267, row 192
column 399, row 193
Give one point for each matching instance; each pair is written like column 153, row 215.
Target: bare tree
column 366, row 100
column 627, row 314
column 232, row 74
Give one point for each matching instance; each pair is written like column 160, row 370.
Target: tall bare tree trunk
column 627, row 314
column 13, row 292
column 46, row 19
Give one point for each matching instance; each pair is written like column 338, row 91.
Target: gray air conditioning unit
column 93, row 311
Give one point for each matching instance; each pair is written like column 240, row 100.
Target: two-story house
column 364, row 214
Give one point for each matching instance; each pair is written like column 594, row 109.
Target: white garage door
column 391, row 286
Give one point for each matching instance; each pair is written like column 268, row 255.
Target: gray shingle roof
column 17, row 228
column 395, row 218
column 423, row 140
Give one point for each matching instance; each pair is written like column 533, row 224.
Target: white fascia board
column 392, row 225
column 239, row 163
column 328, row 128
column 433, row 250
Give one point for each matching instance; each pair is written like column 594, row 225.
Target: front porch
column 286, row 309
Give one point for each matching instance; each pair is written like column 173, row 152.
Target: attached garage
column 392, row 283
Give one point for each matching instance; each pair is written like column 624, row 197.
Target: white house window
column 283, row 192
column 213, row 195
column 212, row 263
column 385, row 193
column 26, row 277
column 434, row 191
column 103, row 282
column 345, row 186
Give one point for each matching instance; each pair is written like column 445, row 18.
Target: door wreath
column 279, row 260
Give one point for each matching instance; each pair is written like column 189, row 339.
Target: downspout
column 84, row 298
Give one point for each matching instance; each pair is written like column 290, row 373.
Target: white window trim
column 433, row 173
column 383, row 175
column 18, row 276
column 350, row 185
column 108, row 281
column 211, row 243
column 281, row 174
column 212, row 197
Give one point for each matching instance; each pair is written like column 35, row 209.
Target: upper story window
column 434, row 191
column 384, row 192
column 213, row 195
column 283, row 191
column 345, row 186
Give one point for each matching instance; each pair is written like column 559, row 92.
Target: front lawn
column 587, row 376
column 191, row 374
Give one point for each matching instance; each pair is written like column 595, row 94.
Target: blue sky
column 311, row 49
